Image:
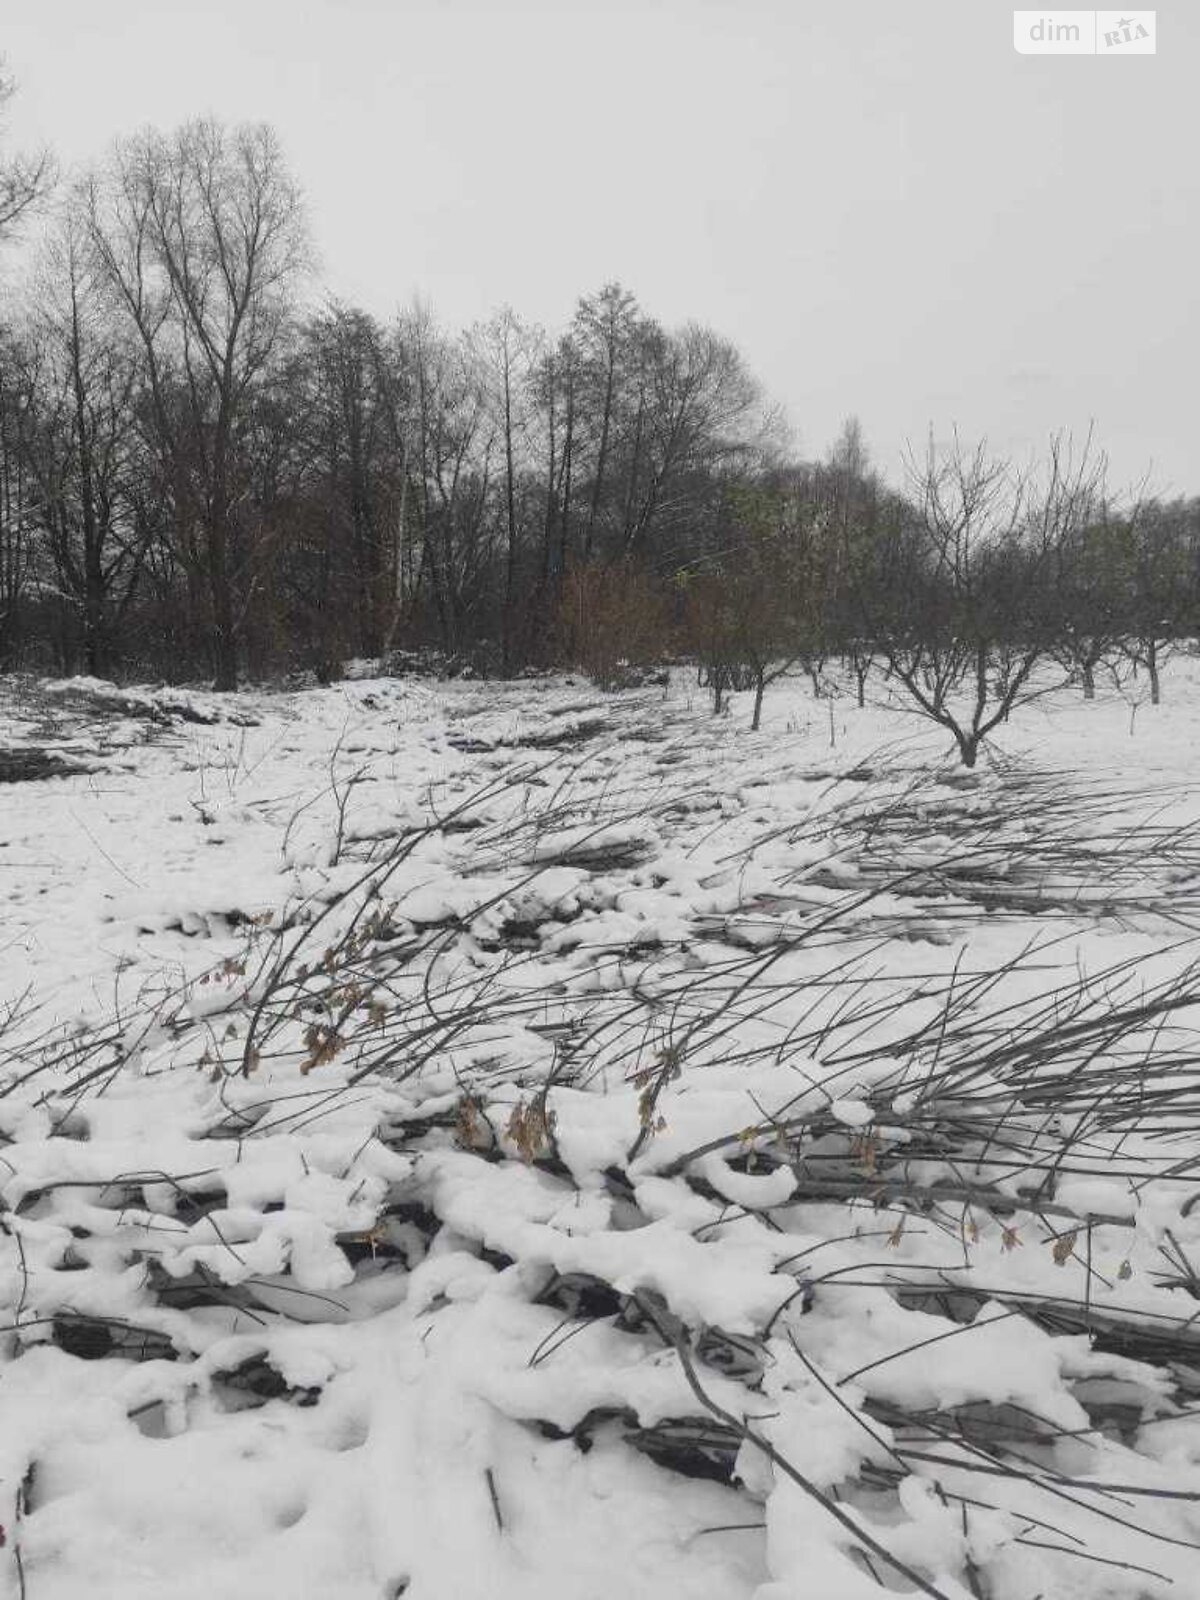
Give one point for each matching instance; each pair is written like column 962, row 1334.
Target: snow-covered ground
column 465, row 1140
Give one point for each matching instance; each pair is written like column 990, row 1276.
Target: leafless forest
column 209, row 469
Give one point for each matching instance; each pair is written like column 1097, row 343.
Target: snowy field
column 470, row 1140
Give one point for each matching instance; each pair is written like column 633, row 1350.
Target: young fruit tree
column 969, row 610
column 1158, row 569
column 1092, row 587
column 753, row 609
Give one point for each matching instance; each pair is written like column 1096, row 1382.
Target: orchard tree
column 1161, row 600
column 852, row 509
column 1094, row 590
column 753, row 609
column 970, row 611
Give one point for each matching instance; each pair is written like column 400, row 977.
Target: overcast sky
column 890, row 210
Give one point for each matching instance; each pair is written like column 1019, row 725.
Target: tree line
column 206, row 471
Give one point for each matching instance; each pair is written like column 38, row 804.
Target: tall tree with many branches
column 202, row 237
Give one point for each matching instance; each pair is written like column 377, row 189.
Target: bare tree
column 19, row 499
column 25, row 177
column 346, row 418
column 509, row 349
column 1159, row 599
column 554, row 389
column 605, row 328
column 85, row 451
column 454, row 441
column 201, row 235
column 852, row 511
column 1092, row 584
column 703, row 424
column 970, row 611
column 753, row 609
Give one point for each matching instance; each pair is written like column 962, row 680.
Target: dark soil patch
column 31, row 765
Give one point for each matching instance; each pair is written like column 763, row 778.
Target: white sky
column 890, row 210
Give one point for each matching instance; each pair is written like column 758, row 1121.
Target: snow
column 412, row 1095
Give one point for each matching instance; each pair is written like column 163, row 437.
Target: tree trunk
column 224, row 644
column 601, row 459
column 759, row 689
column 509, row 620
column 1089, row 681
column 93, row 568
column 568, row 462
